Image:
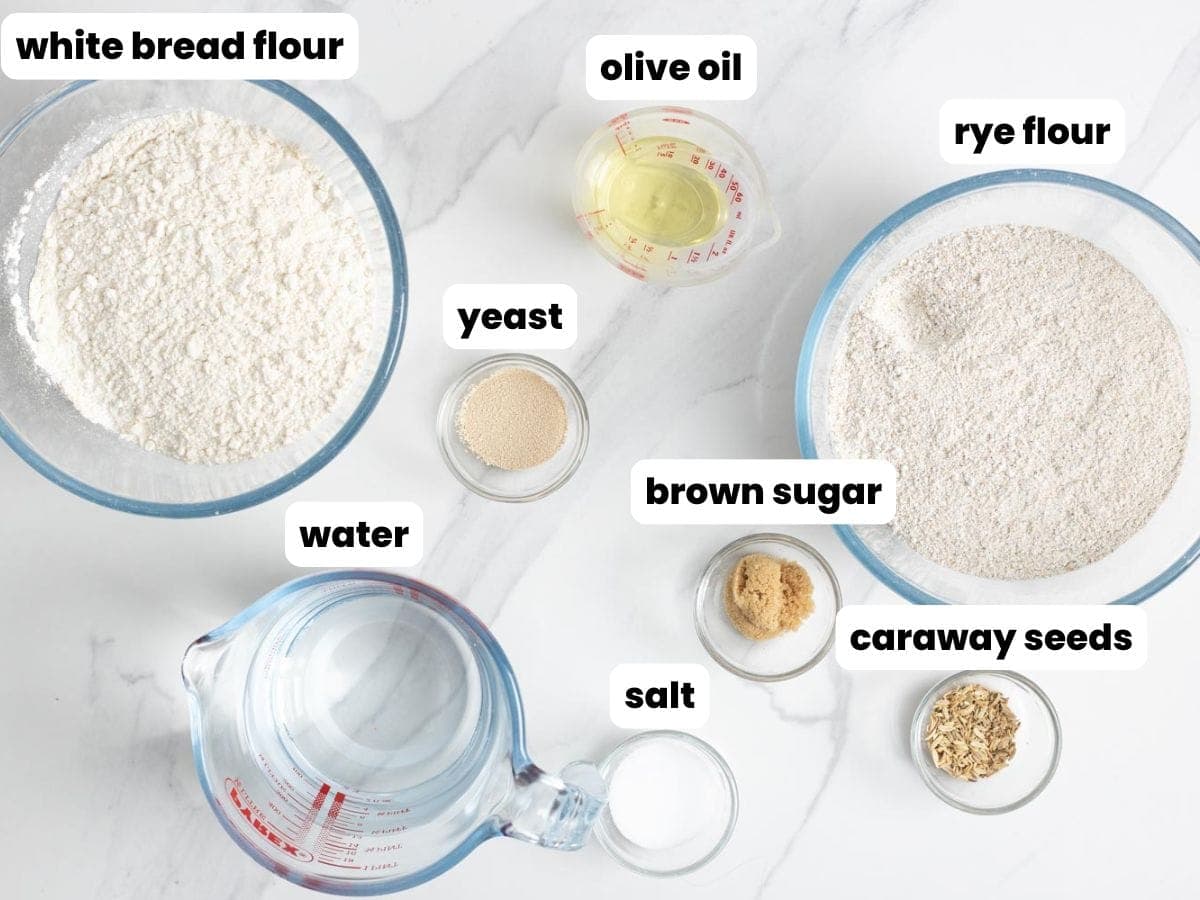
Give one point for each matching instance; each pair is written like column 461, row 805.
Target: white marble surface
column 473, row 114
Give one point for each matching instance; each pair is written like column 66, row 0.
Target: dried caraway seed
column 971, row 732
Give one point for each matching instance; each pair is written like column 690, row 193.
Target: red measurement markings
column 246, row 808
column 334, row 852
column 736, row 189
column 314, row 808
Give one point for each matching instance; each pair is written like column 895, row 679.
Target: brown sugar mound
column 766, row 596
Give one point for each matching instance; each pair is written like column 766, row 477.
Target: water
column 376, row 696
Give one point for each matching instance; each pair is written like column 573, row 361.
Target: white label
column 1032, row 132
column 762, row 491
column 369, row 533
column 659, row 695
column 671, row 67
column 306, row 46
column 1010, row 638
column 510, row 316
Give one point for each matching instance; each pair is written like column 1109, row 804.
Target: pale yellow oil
column 661, row 200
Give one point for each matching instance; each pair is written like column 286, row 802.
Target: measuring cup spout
column 770, row 232
column 199, row 665
column 551, row 811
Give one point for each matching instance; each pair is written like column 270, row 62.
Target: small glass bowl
column 778, row 658
column 712, row 833
column 520, row 485
column 1038, row 742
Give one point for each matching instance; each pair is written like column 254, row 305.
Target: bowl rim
column 890, row 579
column 926, row 768
column 446, row 414
column 706, row 575
column 366, row 404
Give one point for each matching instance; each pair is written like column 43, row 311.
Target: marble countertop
column 473, row 113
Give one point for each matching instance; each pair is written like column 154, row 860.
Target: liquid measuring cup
column 360, row 733
column 671, row 195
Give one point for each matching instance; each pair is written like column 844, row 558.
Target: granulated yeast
column 201, row 288
column 1030, row 391
column 513, row 419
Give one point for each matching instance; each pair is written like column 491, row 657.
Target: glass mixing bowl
column 44, row 145
column 1143, row 238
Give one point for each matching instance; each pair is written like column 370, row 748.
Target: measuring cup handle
column 550, row 811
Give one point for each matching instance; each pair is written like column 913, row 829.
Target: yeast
column 514, row 319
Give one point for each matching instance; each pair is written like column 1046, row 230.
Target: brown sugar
column 766, row 596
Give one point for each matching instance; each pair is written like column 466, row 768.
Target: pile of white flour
column 202, row 289
column 1030, row 391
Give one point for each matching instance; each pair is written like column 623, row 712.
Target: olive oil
column 651, row 190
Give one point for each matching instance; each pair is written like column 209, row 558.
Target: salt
column 665, row 793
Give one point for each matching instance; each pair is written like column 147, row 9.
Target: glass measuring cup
column 358, row 733
column 708, row 182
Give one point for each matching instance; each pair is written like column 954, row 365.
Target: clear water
column 376, row 695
